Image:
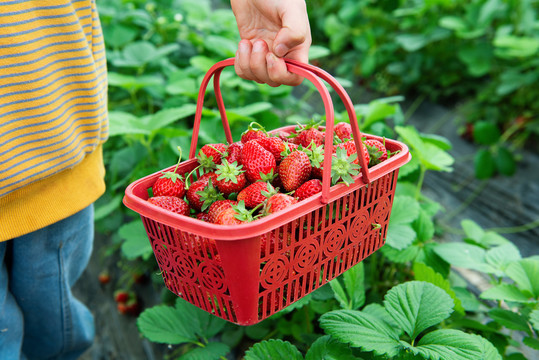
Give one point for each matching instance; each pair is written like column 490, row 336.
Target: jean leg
column 47, row 263
column 11, row 320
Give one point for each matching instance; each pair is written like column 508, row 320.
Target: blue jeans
column 39, row 317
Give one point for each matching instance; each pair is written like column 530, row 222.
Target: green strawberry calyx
column 229, row 171
column 343, row 167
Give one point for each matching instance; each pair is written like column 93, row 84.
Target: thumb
column 295, row 30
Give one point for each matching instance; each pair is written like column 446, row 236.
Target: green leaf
column 362, row 330
column 221, row 45
column 327, row 348
column 510, row 46
column 534, row 319
column 423, row 272
column 401, row 256
column 472, row 230
column 400, row 236
column 449, row 344
column 411, row 42
column 352, row 295
column 524, row 273
column 405, row 210
column 438, row 140
column 505, row 162
column 506, row 292
column 418, row 305
column 486, row 133
column 465, row 256
column 273, row 349
column 166, row 325
column 104, row 210
column 136, row 242
column 509, row 319
column 500, row 256
column 467, row 299
column 212, row 351
column 168, row 116
column 488, row 350
column 437, row 159
column 203, row 323
column 122, row 123
column 317, row 52
column 531, row 342
column 424, row 227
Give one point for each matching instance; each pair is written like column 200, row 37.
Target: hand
column 271, row 30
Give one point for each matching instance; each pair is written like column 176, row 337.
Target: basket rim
column 136, row 195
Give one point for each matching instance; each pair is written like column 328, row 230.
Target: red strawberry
column 350, row 148
column 208, row 175
column 171, row 203
column 230, row 178
column 259, row 164
column 377, row 151
column 234, row 215
column 233, row 152
column 343, row 131
column 132, row 307
column 217, row 207
column 274, row 145
column 202, row 216
column 201, row 194
column 316, row 158
column 308, row 189
column 104, row 277
column 277, row 202
column 170, row 184
column 121, row 296
column 210, row 155
column 305, row 137
column 294, row 170
column 122, row 308
column 253, row 195
column 254, row 131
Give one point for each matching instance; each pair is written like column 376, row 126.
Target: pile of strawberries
column 261, row 174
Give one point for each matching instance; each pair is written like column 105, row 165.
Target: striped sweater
column 53, row 104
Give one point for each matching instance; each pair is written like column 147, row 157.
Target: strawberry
column 208, row 175
column 121, row 296
column 233, row 152
column 230, row 178
column 201, row 194
column 377, row 151
column 234, row 215
column 343, row 167
column 309, row 133
column 274, row 145
column 316, row 158
column 343, row 131
column 294, row 170
column 253, row 195
column 170, row 184
column 122, row 308
column 308, row 189
column 273, row 241
column 217, row 207
column 350, row 148
column 277, row 202
column 104, row 277
column 254, row 131
column 259, row 164
column 210, row 155
column 171, row 203
column 132, row 307
column 202, row 216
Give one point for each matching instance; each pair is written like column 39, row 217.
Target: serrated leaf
column 362, row 330
column 465, row 256
column 326, row 348
column 273, row 349
column 136, row 243
column 509, row 319
column 424, row 227
column 212, row 351
column 166, row 325
column 423, row 272
column 122, row 123
column 401, row 256
column 405, row 210
column 381, row 313
column 437, row 159
column 352, row 295
column 472, row 230
column 418, row 305
column 500, row 256
column 488, row 350
column 203, row 323
column 400, row 236
column 524, row 273
column 506, row 292
column 449, row 344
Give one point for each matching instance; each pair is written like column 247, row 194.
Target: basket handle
column 311, row 73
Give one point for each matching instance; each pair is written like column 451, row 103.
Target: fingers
column 278, row 72
column 251, row 62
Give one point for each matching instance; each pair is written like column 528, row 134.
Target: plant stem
column 422, row 172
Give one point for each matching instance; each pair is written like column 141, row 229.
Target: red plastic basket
column 246, row 273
